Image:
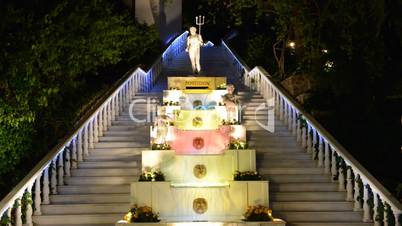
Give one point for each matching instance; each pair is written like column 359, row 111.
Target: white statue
column 194, row 43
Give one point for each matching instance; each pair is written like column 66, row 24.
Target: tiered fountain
column 199, row 145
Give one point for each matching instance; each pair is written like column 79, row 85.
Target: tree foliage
column 53, row 60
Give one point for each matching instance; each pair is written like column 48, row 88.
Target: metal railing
column 50, row 172
column 335, row 160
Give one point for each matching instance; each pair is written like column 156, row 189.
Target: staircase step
column 313, row 187
column 93, row 189
column 84, row 180
column 124, row 138
column 121, row 144
column 308, row 196
column 77, row 219
column 59, row 209
column 291, row 171
column 116, row 151
column 312, row 206
column 102, row 157
column 127, row 127
column 90, row 198
column 302, row 178
column 330, row 224
column 299, row 156
column 108, row 164
column 104, row 172
column 311, row 216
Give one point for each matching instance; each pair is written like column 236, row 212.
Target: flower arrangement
column 221, row 86
column 247, row 175
column 258, row 213
column 171, row 103
column 238, row 145
column 163, row 146
column 141, row 214
column 230, row 122
column 156, row 175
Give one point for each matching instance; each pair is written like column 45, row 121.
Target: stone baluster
column 341, row 179
column 276, row 104
column 349, row 185
column 60, row 170
column 313, row 147
column 334, row 167
column 67, row 162
column 37, row 198
column 112, row 108
column 396, row 215
column 375, row 210
column 85, row 141
column 309, row 139
column 18, row 213
column 91, row 134
column 280, row 109
column 79, row 146
column 327, row 168
column 298, row 129
column 104, row 113
column 357, row 205
column 304, row 137
column 28, row 208
column 116, row 105
column 109, row 114
column 366, row 208
column 9, row 212
column 294, row 128
column 96, row 129
column 290, row 121
column 100, row 123
column 320, row 151
column 74, row 153
column 45, row 188
column 285, row 114
column 385, row 215
column 53, row 178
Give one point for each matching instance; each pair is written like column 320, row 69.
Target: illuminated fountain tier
column 199, row 186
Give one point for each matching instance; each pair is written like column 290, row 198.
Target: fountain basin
column 210, row 203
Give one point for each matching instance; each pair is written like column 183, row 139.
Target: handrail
column 313, row 133
column 57, row 164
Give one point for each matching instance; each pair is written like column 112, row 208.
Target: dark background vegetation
column 57, row 57
column 359, row 100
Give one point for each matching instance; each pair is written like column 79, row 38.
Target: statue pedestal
column 206, row 203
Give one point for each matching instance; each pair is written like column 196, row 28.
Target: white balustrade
column 366, row 208
column 57, row 165
column 341, row 179
column 28, row 208
column 327, row 145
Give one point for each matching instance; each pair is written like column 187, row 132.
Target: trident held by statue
column 199, row 20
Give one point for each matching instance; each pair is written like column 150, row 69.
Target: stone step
column 113, row 157
column 137, row 132
column 126, row 152
column 288, row 163
column 312, row 206
column 278, row 144
column 311, row 216
column 291, row 171
column 85, row 180
column 93, row 189
column 139, row 144
column 124, row 138
column 300, row 178
column 308, row 196
column 128, row 127
column 90, row 198
column 77, row 219
column 104, row 172
column 278, row 150
column 325, row 223
column 297, row 187
column 58, row 209
column 108, row 164
column 282, row 156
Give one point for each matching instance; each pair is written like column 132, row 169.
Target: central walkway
column 97, row 193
